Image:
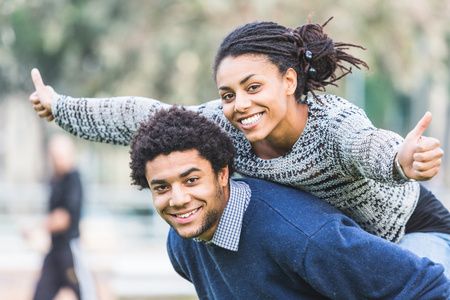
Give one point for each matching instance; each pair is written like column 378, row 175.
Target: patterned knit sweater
column 340, row 156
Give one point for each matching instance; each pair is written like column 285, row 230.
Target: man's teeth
column 251, row 120
column 187, row 214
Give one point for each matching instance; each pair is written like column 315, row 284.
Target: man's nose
column 179, row 197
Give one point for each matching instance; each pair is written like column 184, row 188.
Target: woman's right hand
column 42, row 97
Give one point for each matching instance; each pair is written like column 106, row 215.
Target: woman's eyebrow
column 246, row 78
column 241, row 82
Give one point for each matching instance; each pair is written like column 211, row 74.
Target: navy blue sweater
column 295, row 246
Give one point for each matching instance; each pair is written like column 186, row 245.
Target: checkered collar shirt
column 228, row 230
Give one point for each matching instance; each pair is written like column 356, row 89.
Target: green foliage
column 381, row 98
column 164, row 48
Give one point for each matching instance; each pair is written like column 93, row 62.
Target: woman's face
column 255, row 97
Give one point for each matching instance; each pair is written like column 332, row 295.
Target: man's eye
column 191, row 180
column 161, row 188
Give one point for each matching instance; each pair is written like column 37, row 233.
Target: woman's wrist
column 400, row 172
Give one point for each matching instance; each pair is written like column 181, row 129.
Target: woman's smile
column 249, row 122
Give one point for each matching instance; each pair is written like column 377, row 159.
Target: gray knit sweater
column 340, row 156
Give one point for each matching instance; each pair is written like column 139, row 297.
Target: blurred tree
column 164, row 49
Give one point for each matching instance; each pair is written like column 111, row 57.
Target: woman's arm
column 371, row 152
column 368, row 151
column 105, row 120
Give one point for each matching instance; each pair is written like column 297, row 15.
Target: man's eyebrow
column 241, row 82
column 157, row 181
column 184, row 174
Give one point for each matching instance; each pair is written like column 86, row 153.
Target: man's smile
column 185, row 215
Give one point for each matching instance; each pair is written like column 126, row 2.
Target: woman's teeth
column 251, row 120
column 187, row 214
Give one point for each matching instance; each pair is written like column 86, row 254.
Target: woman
column 283, row 131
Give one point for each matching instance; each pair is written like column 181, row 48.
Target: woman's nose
column 242, row 103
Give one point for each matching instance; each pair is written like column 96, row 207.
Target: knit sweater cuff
column 54, row 104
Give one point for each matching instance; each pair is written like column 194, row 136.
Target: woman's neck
column 279, row 143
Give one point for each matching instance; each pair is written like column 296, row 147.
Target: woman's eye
column 253, row 87
column 227, row 97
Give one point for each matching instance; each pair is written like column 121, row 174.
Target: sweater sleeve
column 110, row 120
column 362, row 149
column 106, row 120
column 344, row 262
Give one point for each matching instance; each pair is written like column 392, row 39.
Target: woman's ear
column 290, row 81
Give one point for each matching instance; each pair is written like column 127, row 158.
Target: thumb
column 421, row 126
column 37, row 80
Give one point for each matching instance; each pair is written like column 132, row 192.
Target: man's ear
column 223, row 176
column 290, row 81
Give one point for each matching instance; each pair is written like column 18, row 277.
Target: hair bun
column 319, row 57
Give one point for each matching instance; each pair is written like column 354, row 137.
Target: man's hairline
column 216, row 172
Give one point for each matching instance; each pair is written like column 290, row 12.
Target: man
column 62, row 265
column 252, row 239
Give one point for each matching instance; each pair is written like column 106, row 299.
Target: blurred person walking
column 63, row 265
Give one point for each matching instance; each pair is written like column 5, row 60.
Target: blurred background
column 164, row 49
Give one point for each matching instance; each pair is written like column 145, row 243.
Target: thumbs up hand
column 42, row 97
column 420, row 156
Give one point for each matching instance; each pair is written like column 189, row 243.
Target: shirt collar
column 228, row 230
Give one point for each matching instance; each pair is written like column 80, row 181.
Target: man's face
column 187, row 193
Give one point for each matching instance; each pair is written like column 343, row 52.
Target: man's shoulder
column 293, row 205
column 272, row 192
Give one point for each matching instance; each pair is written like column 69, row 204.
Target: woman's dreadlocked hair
column 306, row 49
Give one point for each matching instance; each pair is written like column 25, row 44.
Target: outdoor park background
column 164, row 49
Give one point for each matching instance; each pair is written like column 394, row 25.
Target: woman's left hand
column 420, row 156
